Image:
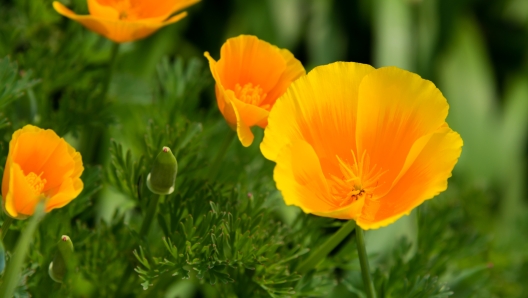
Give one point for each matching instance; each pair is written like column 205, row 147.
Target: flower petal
column 161, row 9
column 428, row 166
column 30, row 157
column 243, row 131
column 300, row 179
column 247, row 59
column 294, row 70
column 319, row 108
column 98, row 9
column 239, row 115
column 21, row 200
column 115, row 29
column 60, row 166
column 250, row 114
column 395, row 109
column 68, row 191
column 228, row 114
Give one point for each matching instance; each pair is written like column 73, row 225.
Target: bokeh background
column 475, row 51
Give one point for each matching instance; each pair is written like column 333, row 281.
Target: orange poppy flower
column 250, row 75
column 40, row 165
column 127, row 20
column 354, row 142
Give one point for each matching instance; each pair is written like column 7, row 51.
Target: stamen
column 250, row 94
column 359, row 179
column 36, row 183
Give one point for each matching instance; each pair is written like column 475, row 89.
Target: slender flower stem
column 147, row 221
column 215, row 166
column 14, row 269
column 5, row 226
column 363, row 261
column 322, row 251
column 143, row 233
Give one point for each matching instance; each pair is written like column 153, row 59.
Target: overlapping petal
column 319, row 108
column 247, row 62
column 396, row 108
column 428, row 166
column 127, row 21
column 354, row 142
column 53, row 166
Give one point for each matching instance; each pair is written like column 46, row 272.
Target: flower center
column 250, row 94
column 36, row 182
column 358, row 179
column 125, row 9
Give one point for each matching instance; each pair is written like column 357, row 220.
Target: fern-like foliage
column 12, row 84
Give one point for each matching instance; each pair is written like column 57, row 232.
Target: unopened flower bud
column 163, row 174
column 59, row 266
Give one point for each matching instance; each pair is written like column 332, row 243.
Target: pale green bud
column 63, row 256
column 163, row 174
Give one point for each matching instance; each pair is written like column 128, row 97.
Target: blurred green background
column 475, row 51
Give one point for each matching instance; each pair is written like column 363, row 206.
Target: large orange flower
column 127, row 20
column 250, row 75
column 354, row 142
column 40, row 166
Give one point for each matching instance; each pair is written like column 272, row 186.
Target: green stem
column 363, row 261
column 322, row 251
column 14, row 268
column 217, row 162
column 147, row 221
column 143, row 232
column 5, row 226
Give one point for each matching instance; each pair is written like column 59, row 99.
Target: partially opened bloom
column 40, row 166
column 354, row 142
column 250, row 75
column 127, row 20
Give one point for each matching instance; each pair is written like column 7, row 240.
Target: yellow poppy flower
column 127, row 20
column 354, row 142
column 40, row 165
column 250, row 75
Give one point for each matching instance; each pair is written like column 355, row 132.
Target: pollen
column 250, row 94
column 359, row 178
column 36, row 182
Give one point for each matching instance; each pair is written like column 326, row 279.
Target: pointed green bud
column 163, row 174
column 63, row 256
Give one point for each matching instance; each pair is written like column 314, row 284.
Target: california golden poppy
column 250, row 75
column 127, row 20
column 354, row 142
column 40, row 166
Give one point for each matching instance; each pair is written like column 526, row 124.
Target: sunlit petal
column 40, row 166
column 429, row 167
column 250, row 75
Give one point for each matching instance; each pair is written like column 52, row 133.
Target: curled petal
column 300, row 179
column 247, row 59
column 40, row 166
column 319, row 108
column 21, row 200
column 428, row 166
column 395, row 109
column 250, row 75
column 115, row 29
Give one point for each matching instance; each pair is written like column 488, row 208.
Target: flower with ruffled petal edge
column 127, row 20
column 354, row 142
column 250, row 75
column 40, row 166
